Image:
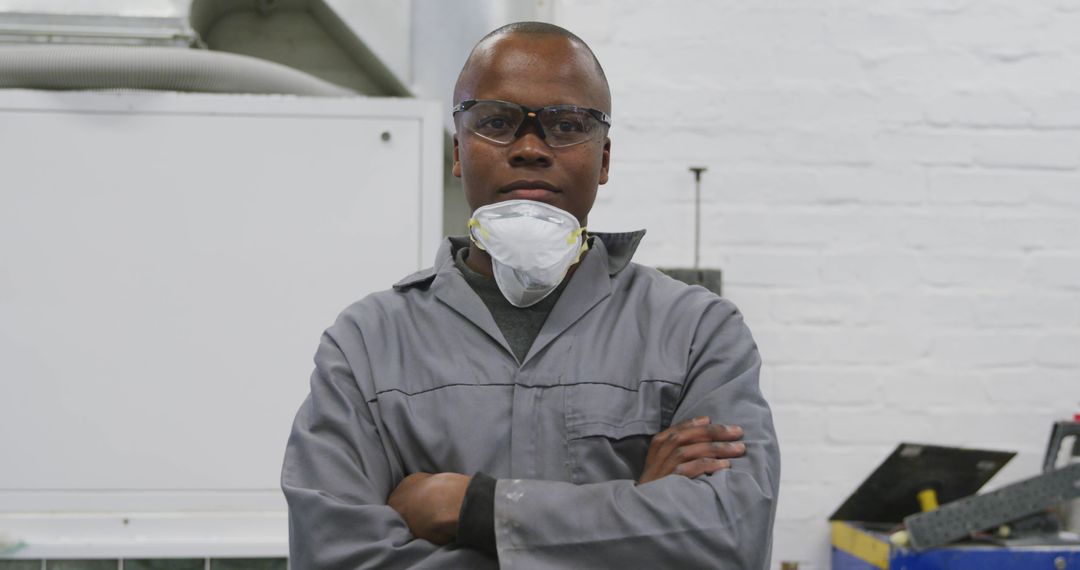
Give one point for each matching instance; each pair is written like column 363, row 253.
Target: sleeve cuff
column 476, row 521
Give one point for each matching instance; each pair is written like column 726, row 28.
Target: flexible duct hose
column 160, row 68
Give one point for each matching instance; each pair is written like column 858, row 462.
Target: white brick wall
column 894, row 197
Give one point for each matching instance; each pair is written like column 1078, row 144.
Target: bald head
column 545, row 42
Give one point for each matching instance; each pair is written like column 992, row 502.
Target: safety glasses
column 502, row 122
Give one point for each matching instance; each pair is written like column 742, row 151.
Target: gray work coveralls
column 420, row 379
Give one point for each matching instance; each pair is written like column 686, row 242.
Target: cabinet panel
column 169, row 263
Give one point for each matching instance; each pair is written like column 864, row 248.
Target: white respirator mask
column 532, row 245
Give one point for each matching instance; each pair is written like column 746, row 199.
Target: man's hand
column 430, row 504
column 692, row 448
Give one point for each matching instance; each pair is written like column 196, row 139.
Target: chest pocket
column 609, row 428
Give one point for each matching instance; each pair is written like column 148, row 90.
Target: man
column 461, row 421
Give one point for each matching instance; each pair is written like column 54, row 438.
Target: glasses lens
column 564, row 126
column 493, row 120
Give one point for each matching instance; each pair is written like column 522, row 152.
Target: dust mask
column 532, row 245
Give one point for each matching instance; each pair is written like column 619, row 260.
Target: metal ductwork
column 160, row 68
column 300, row 47
column 304, row 34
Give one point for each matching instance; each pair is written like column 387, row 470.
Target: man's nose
column 530, row 150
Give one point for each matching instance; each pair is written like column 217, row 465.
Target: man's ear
column 605, row 161
column 456, row 169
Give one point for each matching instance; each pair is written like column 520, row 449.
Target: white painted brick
column 1056, row 271
column 1062, row 350
column 995, row 25
column 823, row 147
column 1043, row 232
column 1066, row 8
column 780, row 346
column 754, row 303
column 795, row 425
column 986, row 270
column 879, row 270
column 729, row 226
column 725, row 225
column 683, row 109
column 880, row 426
column 1046, row 389
column 771, row 269
column 1055, row 189
column 801, row 502
column 930, row 310
column 766, row 185
column 976, row 186
column 1050, row 150
column 795, row 185
column 874, row 346
column 980, row 110
column 806, row 543
column 973, row 226
column 923, row 71
column 770, row 108
column 818, row 464
column 1000, row 429
column 696, row 20
column 893, row 195
column 926, row 147
column 876, row 31
column 704, row 146
column 791, row 345
column 825, row 385
column 947, row 309
column 1027, row 311
column 814, row 66
column 979, row 349
column 959, row 227
column 920, row 390
column 1058, row 111
column 1049, row 71
column 893, row 184
column 937, row 8
column 820, row 307
column 901, row 309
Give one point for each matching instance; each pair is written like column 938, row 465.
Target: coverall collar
column 619, row 249
column 609, row 253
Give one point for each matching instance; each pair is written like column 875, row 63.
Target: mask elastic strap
column 574, row 235
column 475, row 223
column 584, row 242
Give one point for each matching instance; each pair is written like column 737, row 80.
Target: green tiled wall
column 82, row 565
column 150, row 564
column 166, row 564
column 247, row 564
column 20, row 565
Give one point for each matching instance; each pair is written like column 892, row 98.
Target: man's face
column 535, row 71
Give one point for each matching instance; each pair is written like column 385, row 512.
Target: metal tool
column 1068, row 514
column 960, row 518
column 1061, row 431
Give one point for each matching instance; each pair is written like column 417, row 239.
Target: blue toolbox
column 855, row 547
column 919, row 511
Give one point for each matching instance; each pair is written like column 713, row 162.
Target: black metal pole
column 697, row 170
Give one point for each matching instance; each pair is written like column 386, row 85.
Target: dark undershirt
column 520, row 326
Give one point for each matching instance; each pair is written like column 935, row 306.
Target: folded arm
column 718, row 520
column 337, row 477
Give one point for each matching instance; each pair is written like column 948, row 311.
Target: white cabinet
column 167, row 265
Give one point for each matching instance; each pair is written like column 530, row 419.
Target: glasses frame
column 533, row 114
